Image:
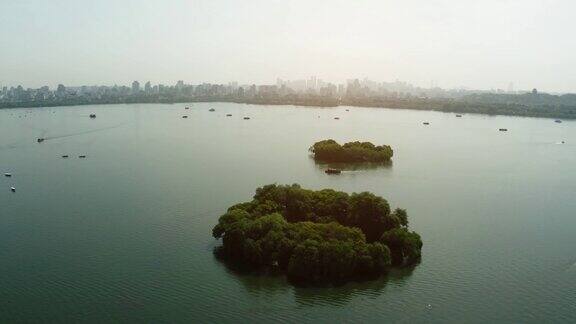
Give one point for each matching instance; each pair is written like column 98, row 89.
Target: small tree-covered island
column 317, row 237
column 330, row 151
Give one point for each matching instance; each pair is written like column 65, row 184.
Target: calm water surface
column 125, row 234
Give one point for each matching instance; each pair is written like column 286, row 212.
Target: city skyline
column 508, row 88
column 304, row 92
column 451, row 44
column 312, row 83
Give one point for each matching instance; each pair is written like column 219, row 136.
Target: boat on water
column 187, row 108
column 426, row 123
column 333, row 171
column 458, row 115
column 184, row 116
column 246, row 118
column 211, row 109
column 40, row 140
column 558, row 121
column 92, row 115
column 503, row 129
column 228, row 115
column 12, row 189
column 64, row 156
column 8, row 175
column 337, row 118
column 82, row 156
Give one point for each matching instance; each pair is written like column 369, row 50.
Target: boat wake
column 85, row 132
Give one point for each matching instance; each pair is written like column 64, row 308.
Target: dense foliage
column 331, row 151
column 318, row 236
column 563, row 107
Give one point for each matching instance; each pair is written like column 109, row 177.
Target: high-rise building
column 60, row 90
column 341, row 90
column 312, row 83
column 148, row 87
column 135, row 86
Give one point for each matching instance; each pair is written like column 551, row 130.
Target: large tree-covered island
column 351, row 152
column 323, row 236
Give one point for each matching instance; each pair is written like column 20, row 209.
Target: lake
column 124, row 235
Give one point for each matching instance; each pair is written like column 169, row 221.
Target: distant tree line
column 472, row 105
column 318, row 236
column 330, row 151
column 529, row 105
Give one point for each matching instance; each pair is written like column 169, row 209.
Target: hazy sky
column 470, row 43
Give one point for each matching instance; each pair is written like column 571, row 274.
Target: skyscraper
column 135, row 87
column 60, row 90
column 311, row 84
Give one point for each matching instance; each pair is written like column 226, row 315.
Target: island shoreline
column 287, row 103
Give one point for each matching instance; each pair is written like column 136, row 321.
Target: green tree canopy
column 330, row 151
column 317, row 236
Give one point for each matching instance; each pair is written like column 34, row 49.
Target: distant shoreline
column 440, row 105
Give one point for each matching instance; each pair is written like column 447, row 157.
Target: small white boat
column 8, row 175
column 12, row 189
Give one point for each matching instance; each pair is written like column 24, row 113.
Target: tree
column 405, row 246
column 402, row 216
column 331, row 151
column 317, row 236
column 370, row 213
column 304, row 263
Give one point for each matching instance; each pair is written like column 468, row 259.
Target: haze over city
column 446, row 43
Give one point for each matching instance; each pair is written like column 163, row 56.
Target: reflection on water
column 269, row 282
column 341, row 295
column 256, row 282
column 354, row 166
